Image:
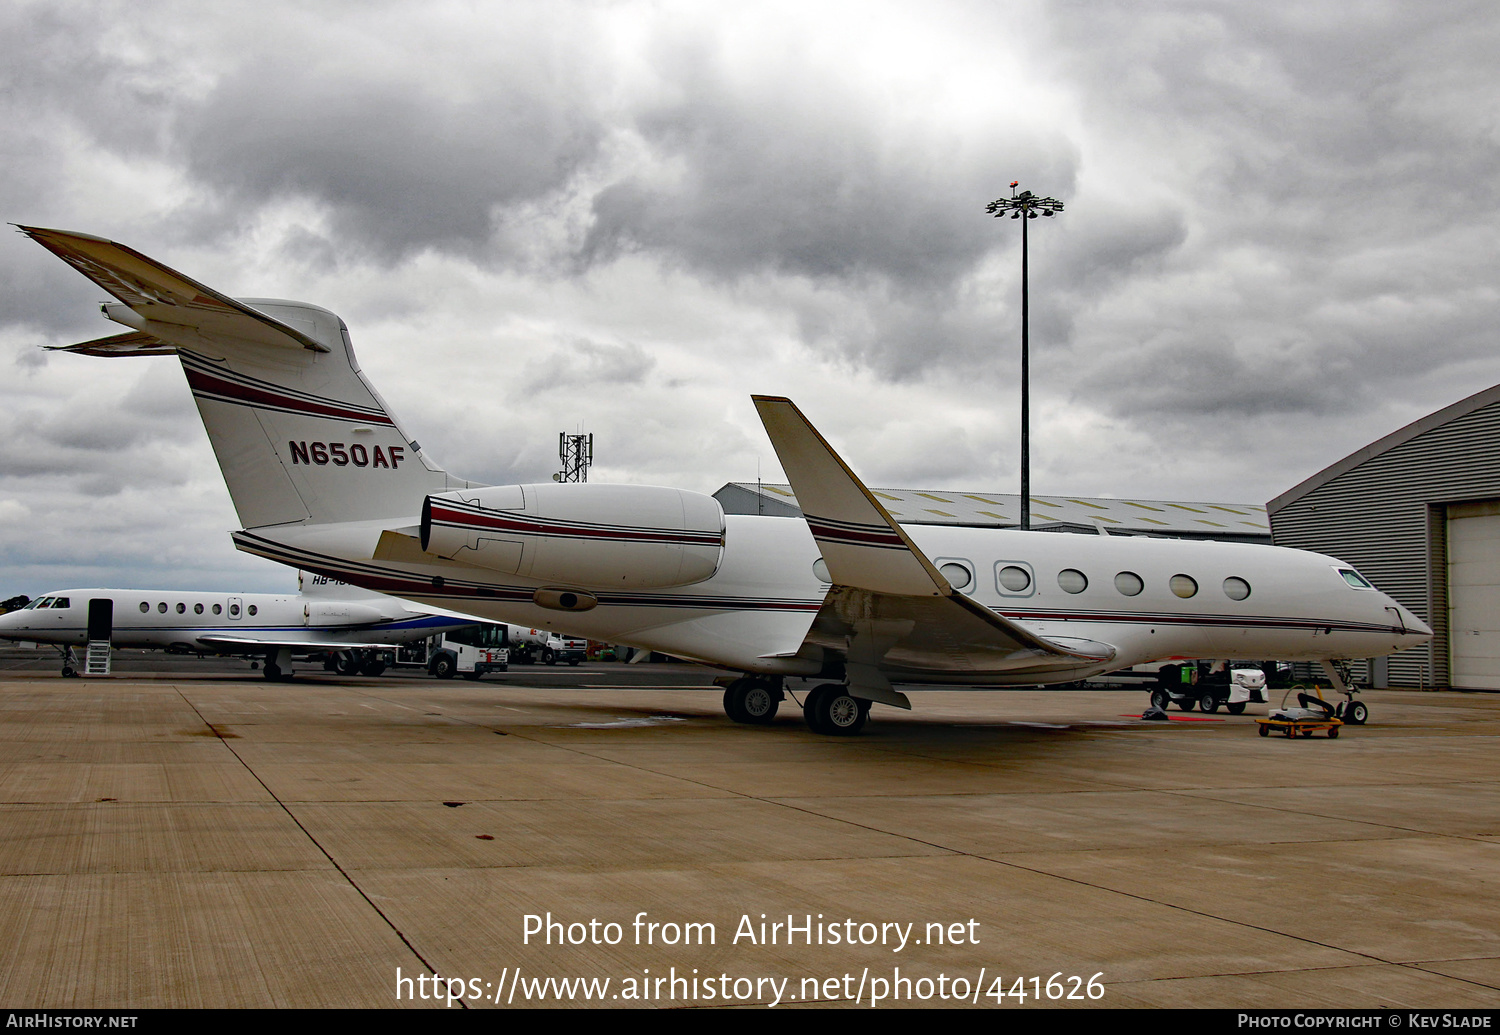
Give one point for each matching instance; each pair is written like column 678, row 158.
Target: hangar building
column 1418, row 512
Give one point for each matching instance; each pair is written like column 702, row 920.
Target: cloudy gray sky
column 623, row 218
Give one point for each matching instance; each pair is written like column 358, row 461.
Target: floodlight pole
column 1025, row 206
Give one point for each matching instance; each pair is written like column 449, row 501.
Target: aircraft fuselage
column 174, row 619
column 756, row 610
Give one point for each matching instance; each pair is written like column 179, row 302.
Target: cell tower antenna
column 577, row 454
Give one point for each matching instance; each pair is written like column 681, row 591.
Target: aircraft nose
column 1417, row 631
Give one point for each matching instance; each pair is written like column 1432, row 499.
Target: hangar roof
column 1396, row 438
column 1049, row 513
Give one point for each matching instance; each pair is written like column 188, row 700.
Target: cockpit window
column 1355, row 579
column 34, row 604
column 61, row 602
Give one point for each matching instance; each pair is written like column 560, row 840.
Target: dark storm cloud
column 1335, row 174
column 400, row 167
column 588, row 363
column 793, row 174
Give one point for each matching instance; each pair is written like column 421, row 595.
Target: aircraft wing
column 167, row 306
column 890, row 609
column 250, row 643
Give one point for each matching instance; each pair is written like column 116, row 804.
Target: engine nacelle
column 339, row 612
column 578, row 534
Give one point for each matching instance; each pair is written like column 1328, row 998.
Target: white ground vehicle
column 470, row 652
column 1242, row 686
column 528, row 646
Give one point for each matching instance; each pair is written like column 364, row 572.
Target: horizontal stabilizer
column 131, row 343
column 164, row 302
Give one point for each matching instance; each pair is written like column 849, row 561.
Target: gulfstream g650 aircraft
column 324, row 478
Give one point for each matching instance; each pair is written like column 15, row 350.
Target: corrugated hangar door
column 1474, row 595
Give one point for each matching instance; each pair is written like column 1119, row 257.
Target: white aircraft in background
column 324, row 478
column 326, row 616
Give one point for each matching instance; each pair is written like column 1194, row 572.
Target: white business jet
column 324, row 478
column 326, row 616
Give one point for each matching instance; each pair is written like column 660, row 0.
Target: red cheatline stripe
column 200, row 381
column 839, row 535
column 465, row 519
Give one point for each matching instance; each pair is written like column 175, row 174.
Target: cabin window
column 1184, row 586
column 1236, row 589
column 218, row 608
column 197, row 609
column 145, row 607
column 1355, row 579
column 234, row 610
column 1129, row 583
column 1014, row 579
column 820, row 570
column 162, row 607
column 1071, row 580
column 958, row 575
column 182, row 609
column 253, row 610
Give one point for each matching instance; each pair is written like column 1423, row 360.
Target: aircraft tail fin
column 299, row 433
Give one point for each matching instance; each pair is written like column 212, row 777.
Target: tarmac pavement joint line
column 1373, row 959
column 313, row 840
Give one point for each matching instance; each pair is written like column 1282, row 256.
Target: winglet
column 861, row 543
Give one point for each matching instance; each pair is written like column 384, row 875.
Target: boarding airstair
column 101, row 626
column 96, row 661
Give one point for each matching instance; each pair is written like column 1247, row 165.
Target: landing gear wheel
column 1209, row 703
column 272, row 671
column 373, row 667
column 1356, row 713
column 1186, row 704
column 831, row 710
column 752, row 701
column 1235, row 709
column 345, row 664
column 1160, row 699
column 69, row 672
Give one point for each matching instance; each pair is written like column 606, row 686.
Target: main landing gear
column 753, row 700
column 278, row 666
column 829, row 709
